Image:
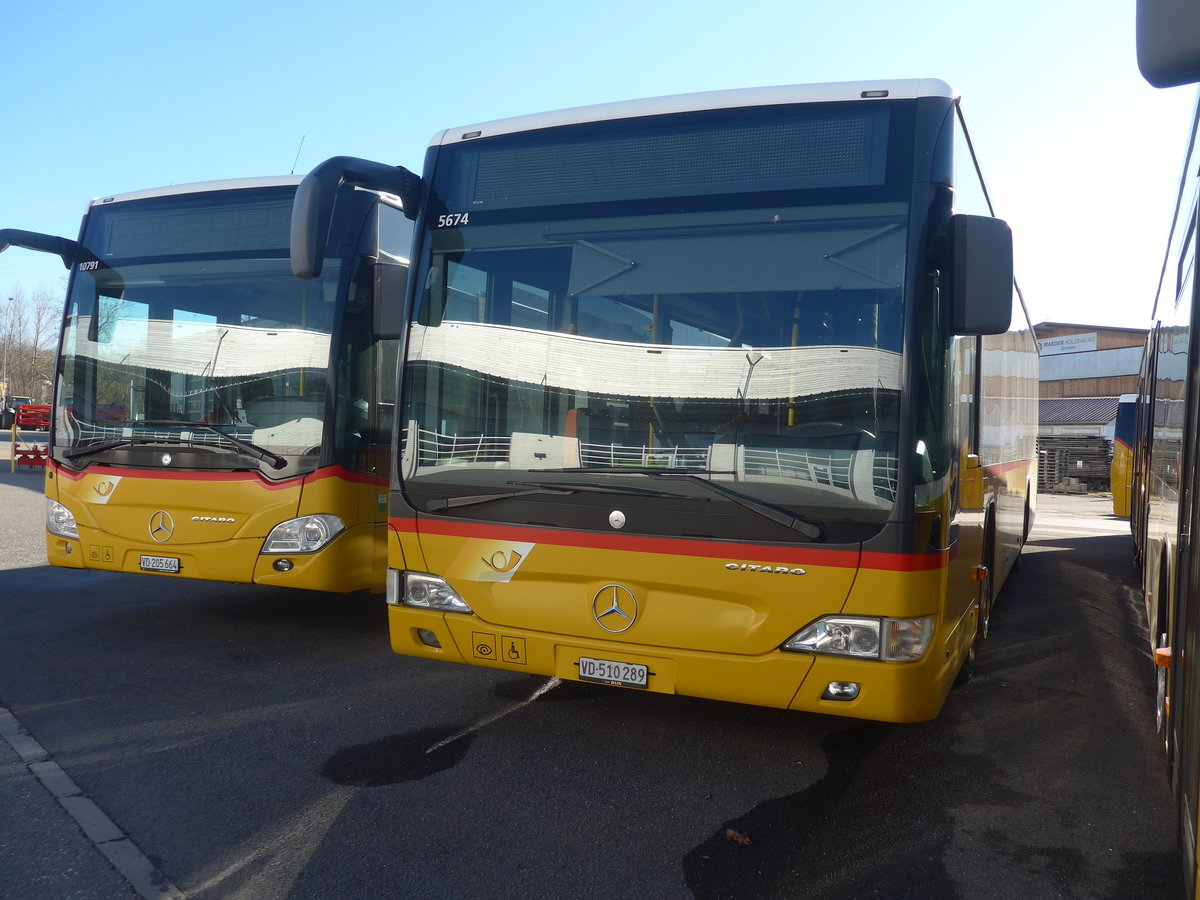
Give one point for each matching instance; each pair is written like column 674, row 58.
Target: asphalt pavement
column 44, row 815
column 977, row 804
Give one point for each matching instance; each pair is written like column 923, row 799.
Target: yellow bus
column 712, row 395
column 214, row 417
column 1121, row 466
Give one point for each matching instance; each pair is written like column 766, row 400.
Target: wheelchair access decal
column 508, row 649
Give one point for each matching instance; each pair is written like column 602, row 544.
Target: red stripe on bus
column 227, row 477
column 347, row 475
column 1001, row 468
column 712, row 549
column 167, row 475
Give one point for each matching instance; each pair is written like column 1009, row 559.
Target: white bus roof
column 199, row 187
column 742, row 97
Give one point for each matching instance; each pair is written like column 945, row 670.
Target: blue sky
column 1082, row 157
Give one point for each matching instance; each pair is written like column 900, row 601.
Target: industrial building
column 1084, row 371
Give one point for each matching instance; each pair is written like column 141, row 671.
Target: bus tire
column 1160, row 692
column 1162, row 676
column 986, row 586
column 1026, row 526
column 967, row 671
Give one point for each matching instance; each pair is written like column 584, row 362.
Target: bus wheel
column 1025, row 526
column 967, row 671
column 1160, row 691
column 989, row 579
column 985, row 605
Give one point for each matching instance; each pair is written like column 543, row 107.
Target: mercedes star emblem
column 162, row 526
column 614, row 608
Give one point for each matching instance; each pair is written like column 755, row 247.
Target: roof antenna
column 297, row 159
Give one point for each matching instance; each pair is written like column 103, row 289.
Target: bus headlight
column 60, row 520
column 892, row 640
column 423, row 591
column 306, row 534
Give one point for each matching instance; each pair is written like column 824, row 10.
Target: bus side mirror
column 310, row 227
column 982, row 255
column 390, row 283
column 1168, row 41
column 312, row 210
column 45, row 243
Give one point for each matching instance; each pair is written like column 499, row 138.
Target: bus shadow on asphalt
column 1069, row 617
column 169, row 605
column 202, row 607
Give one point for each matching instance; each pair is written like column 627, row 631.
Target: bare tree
column 29, row 331
column 8, row 332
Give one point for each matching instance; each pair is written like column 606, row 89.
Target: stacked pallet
column 1074, row 463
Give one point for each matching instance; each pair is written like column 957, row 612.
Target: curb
column 116, row 846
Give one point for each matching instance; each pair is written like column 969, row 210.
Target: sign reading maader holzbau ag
column 1068, row 343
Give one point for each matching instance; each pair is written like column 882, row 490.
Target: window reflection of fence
column 89, row 433
column 885, row 469
column 830, row 469
column 868, row 475
column 616, row 455
column 834, row 469
column 440, row 449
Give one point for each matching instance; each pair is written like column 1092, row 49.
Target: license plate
column 159, row 564
column 608, row 671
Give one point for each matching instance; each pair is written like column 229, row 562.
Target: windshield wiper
column 275, row 461
column 549, row 487
column 588, row 488
column 634, row 470
column 810, row 528
column 472, row 499
column 80, row 452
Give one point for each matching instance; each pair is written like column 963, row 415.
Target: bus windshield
column 707, row 327
column 183, row 310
